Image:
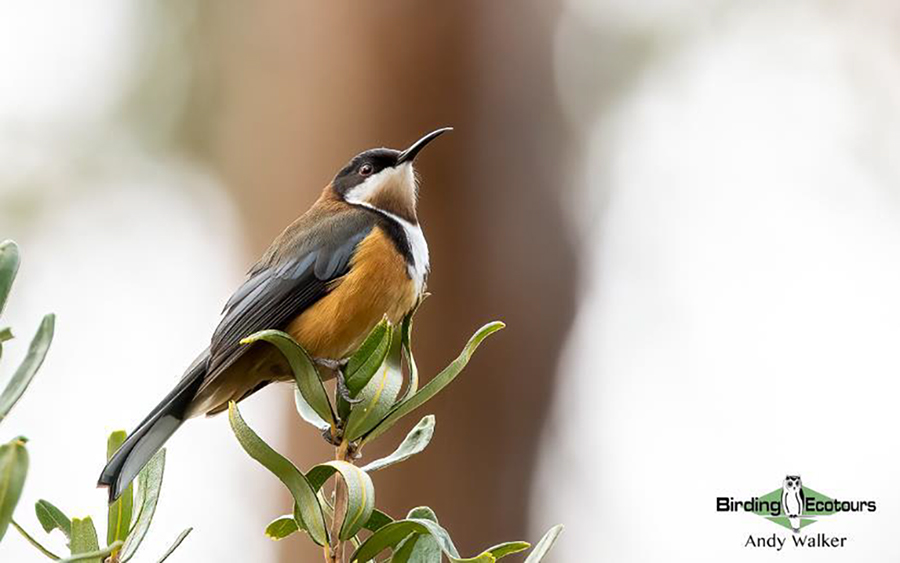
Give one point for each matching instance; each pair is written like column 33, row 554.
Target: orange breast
column 376, row 285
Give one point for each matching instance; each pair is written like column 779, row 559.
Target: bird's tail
column 150, row 435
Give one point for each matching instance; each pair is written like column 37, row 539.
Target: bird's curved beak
column 410, row 154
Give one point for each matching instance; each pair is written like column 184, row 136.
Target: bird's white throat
column 401, row 182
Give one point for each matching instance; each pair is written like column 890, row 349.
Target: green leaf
column 416, row 441
column 419, row 548
column 118, row 522
column 434, row 386
column 175, row 545
column 421, row 520
column 5, row 336
column 307, row 413
column 303, row 493
column 400, row 536
column 388, row 537
column 423, row 513
column 37, row 351
column 406, row 550
column 379, row 395
column 84, row 539
column 305, row 373
column 324, row 502
column 498, row 551
column 282, row 527
column 360, row 493
column 9, row 265
column 149, row 485
column 13, row 469
column 377, row 520
column 406, row 342
column 93, row 556
column 52, row 518
column 37, row 545
column 543, row 546
column 364, row 363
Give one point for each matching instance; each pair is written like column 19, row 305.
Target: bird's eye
column 365, row 169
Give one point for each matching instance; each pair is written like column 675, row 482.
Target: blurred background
column 686, row 212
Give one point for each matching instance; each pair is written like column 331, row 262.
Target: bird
column 792, row 500
column 357, row 256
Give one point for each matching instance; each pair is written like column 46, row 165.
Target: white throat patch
column 362, row 195
column 400, row 179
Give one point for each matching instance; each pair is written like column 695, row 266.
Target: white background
column 740, row 314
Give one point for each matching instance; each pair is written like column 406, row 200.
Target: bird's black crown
column 355, row 172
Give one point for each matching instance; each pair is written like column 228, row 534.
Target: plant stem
column 341, row 453
column 340, row 502
column 334, row 553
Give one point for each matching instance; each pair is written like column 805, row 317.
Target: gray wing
column 294, row 275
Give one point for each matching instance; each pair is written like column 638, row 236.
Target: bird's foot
column 331, row 437
column 335, row 365
column 342, row 388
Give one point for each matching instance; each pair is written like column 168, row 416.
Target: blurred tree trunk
column 301, row 87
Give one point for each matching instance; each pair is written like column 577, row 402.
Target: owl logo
column 792, row 500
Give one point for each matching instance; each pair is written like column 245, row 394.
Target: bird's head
column 383, row 179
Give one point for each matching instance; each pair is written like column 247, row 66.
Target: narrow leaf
column 507, row 548
column 5, row 335
column 84, row 539
column 416, row 441
column 434, row 386
column 13, row 468
column 93, row 556
column 304, row 494
column 441, row 535
column 316, row 479
column 52, row 518
column 37, row 351
column 9, row 265
column 37, row 545
column 364, row 363
column 175, row 545
column 305, row 373
column 497, row 552
column 419, row 548
column 423, row 513
column 118, row 522
column 388, row 537
column 406, row 341
column 421, row 521
column 281, row 527
column 377, row 520
column 543, row 546
column 307, row 413
column 149, row 485
column 379, row 396
column 360, row 493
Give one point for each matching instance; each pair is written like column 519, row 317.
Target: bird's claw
column 342, row 389
column 335, row 365
column 330, row 437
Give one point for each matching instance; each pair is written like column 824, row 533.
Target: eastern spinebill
column 357, row 255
